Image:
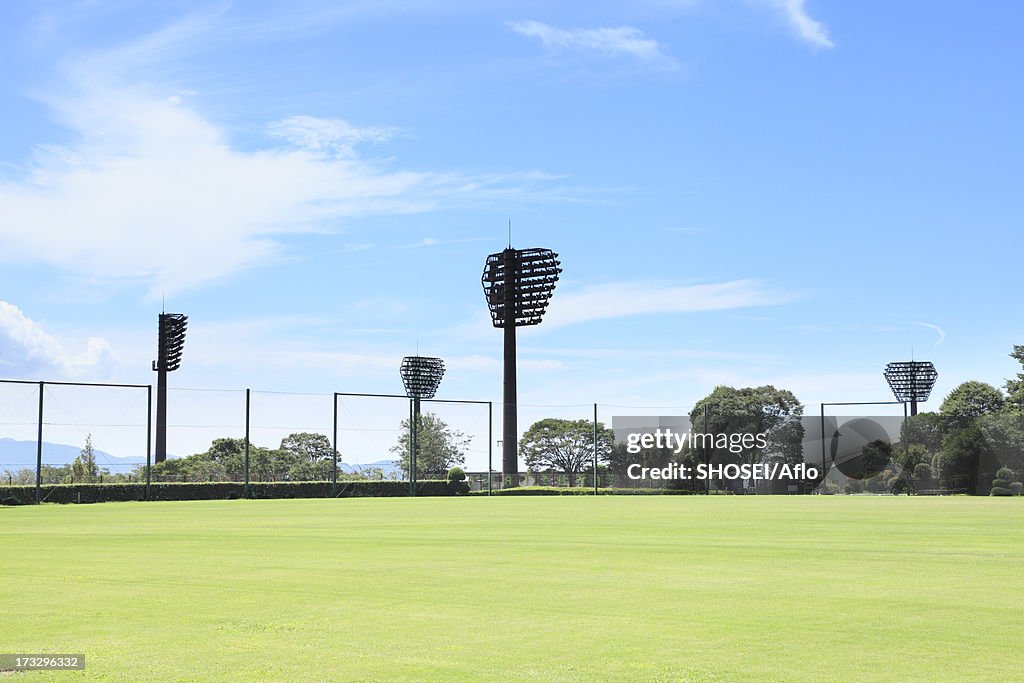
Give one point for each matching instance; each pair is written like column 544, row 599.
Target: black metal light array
column 170, row 344
column 518, row 284
column 911, row 381
column 421, row 376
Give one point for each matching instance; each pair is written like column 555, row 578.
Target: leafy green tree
column 225, row 449
column 874, row 457
column 764, row 410
column 620, row 458
column 1015, row 387
column 1004, row 436
column 555, row 445
column 310, row 446
column 268, row 464
column 22, row 477
column 439, row 447
column 224, row 460
column 369, row 473
column 959, row 463
column 923, row 429
column 48, row 474
column 312, row 456
column 968, row 402
column 910, row 456
column 84, row 468
column 924, row 478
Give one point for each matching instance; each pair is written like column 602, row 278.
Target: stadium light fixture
column 170, row 345
column 911, row 381
column 518, row 284
column 421, row 376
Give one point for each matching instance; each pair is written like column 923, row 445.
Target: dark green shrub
column 458, row 488
column 100, row 493
column 1005, row 480
column 456, row 474
column 923, row 471
column 580, row 491
column 875, row 484
column 898, row 485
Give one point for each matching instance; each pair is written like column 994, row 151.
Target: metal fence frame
column 412, row 474
column 39, row 424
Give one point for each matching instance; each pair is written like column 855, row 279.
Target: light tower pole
column 421, row 376
column 170, row 343
column 911, row 381
column 518, row 284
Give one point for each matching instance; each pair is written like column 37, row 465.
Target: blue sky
column 741, row 191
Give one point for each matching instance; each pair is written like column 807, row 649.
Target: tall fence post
column 490, row 442
column 822, row 488
column 245, row 487
column 412, row 452
column 39, row 445
column 595, row 449
column 334, row 448
column 707, row 455
column 149, row 435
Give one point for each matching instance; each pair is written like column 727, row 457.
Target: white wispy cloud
column 328, row 136
column 938, row 331
column 425, row 242
column 613, row 41
column 154, row 191
column 435, row 242
column 795, row 14
column 27, row 349
column 622, row 299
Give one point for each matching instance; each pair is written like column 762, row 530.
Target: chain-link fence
column 71, row 433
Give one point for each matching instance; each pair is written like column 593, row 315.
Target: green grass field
column 542, row 588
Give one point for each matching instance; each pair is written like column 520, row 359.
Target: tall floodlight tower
column 518, row 284
column 911, row 381
column 170, row 343
column 421, row 376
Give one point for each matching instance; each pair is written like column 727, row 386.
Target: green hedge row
column 580, row 491
column 102, row 493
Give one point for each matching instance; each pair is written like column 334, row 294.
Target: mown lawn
column 520, row 588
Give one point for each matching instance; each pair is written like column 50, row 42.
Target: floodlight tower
column 911, row 381
column 518, row 284
column 170, row 343
column 421, row 376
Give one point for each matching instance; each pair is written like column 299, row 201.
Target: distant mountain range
column 388, row 467
column 18, row 455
